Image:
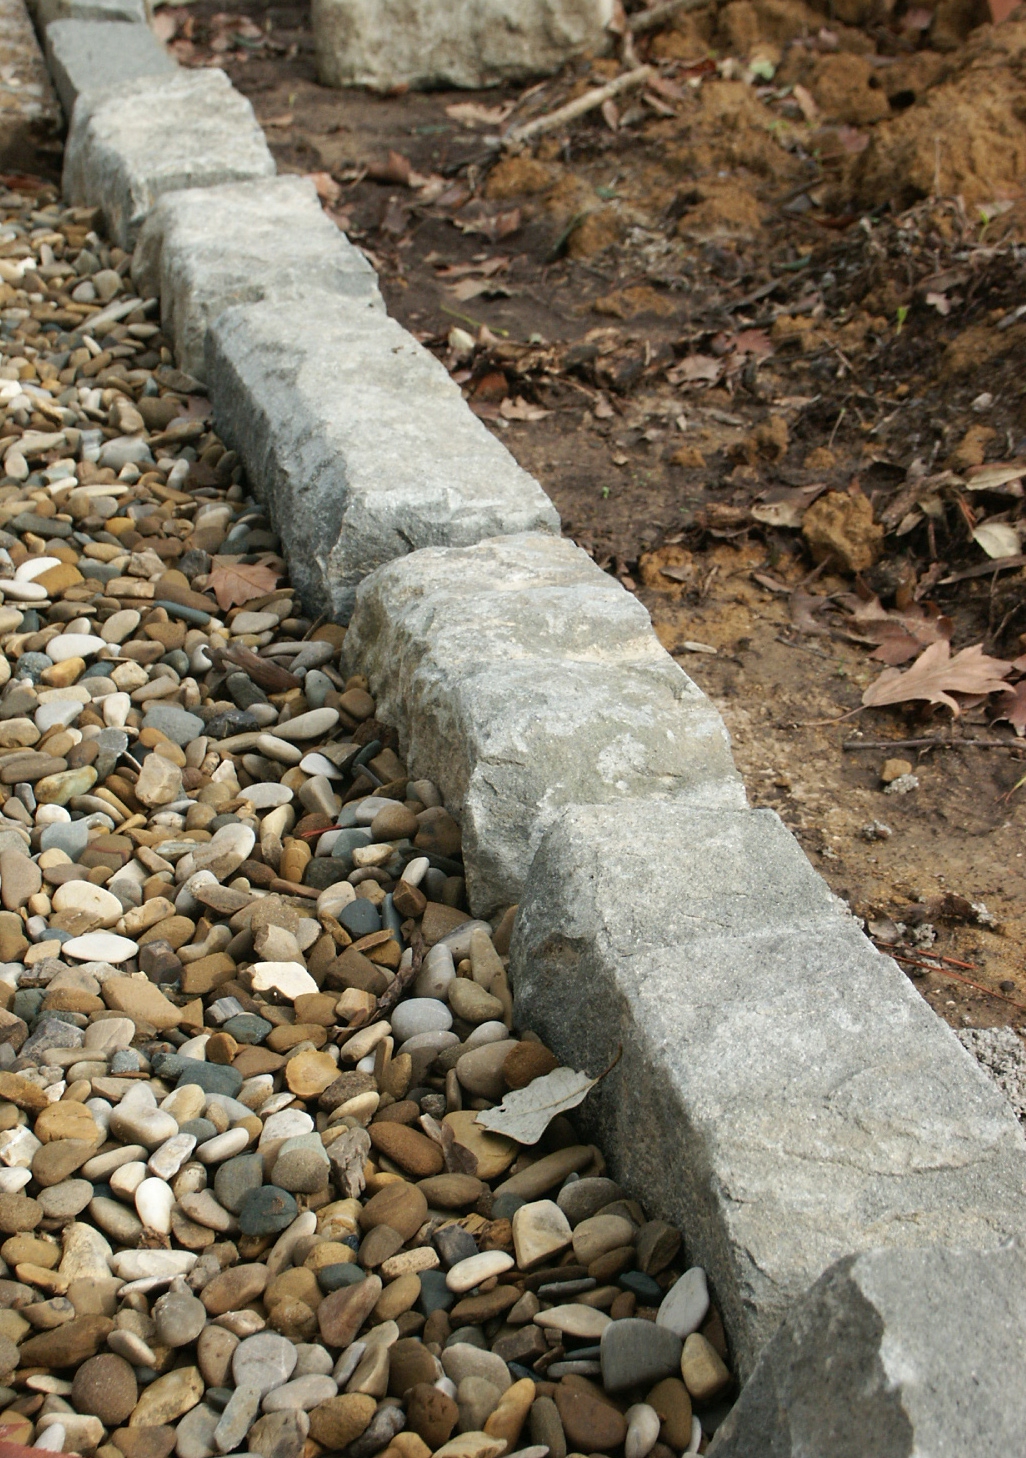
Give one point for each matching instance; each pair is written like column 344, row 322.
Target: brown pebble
column 526, row 1061
column 106, row 1387
column 411, row 1151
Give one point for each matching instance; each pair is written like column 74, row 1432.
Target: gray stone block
column 30, row 119
column 45, row 12
column 206, row 249
column 358, row 441
column 87, row 56
column 387, row 43
column 893, row 1353
column 522, row 678
column 130, row 145
column 785, row 1095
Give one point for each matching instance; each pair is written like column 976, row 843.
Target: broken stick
column 643, row 20
column 580, row 106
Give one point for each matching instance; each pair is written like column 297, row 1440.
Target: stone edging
column 783, row 1094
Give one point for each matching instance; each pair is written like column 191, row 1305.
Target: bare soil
column 790, row 268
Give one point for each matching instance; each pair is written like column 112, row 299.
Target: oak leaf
column 235, row 583
column 1013, row 709
column 935, row 676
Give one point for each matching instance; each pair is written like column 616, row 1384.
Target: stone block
column 30, row 119
column 893, row 1353
column 87, row 56
column 45, row 12
column 522, row 678
column 206, row 249
column 358, row 441
column 387, row 43
column 128, row 146
column 784, row 1094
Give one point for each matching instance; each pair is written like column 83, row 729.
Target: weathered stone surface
column 522, row 678
column 387, row 460
column 45, row 12
column 387, row 43
column 815, row 1104
column 201, row 252
column 129, row 145
column 29, row 115
column 86, row 55
column 877, row 1355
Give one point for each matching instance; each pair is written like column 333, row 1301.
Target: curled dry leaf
column 526, row 1113
column 695, row 369
column 520, row 409
column 235, row 583
column 997, row 539
column 1013, row 709
column 935, row 676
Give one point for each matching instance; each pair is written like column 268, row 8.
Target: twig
column 997, row 564
column 643, row 20
column 852, row 744
column 944, row 972
column 580, row 106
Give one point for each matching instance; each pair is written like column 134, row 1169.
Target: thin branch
column 643, row 20
column 854, row 744
column 580, row 106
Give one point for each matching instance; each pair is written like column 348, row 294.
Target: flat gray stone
column 522, row 678
column 85, row 55
column 635, row 1352
column 178, row 724
column 358, row 441
column 388, row 43
column 129, row 145
column 815, row 1106
column 202, row 251
column 892, row 1353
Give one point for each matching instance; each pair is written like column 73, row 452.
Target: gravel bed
column 246, row 1025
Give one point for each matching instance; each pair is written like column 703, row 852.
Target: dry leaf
column 802, row 605
column 519, row 409
column 1013, row 709
column 328, row 189
column 940, row 302
column 935, row 676
column 807, row 103
column 526, row 1113
column 397, row 169
column 235, row 583
column 997, row 539
column 785, row 506
column 993, row 477
column 694, row 369
column 467, row 113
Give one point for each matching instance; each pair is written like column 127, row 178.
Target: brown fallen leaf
column 397, row 169
column 235, row 583
column 695, row 369
column 935, row 676
column 519, row 409
column 328, row 189
column 1014, row 709
column 802, row 606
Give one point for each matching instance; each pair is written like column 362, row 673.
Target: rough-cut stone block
column 387, row 43
column 45, row 12
column 893, row 1353
column 523, row 678
column 358, row 441
column 86, row 56
column 206, row 249
column 129, row 146
column 30, row 118
column 785, row 1095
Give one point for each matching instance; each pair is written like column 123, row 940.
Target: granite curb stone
column 521, row 678
column 386, row 460
column 87, row 56
column 816, row 1104
column 874, row 1360
column 203, row 251
column 132, row 143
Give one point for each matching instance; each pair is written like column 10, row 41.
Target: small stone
column 159, row 782
column 105, row 947
column 704, row 1372
column 431, row 1414
column 527, row 1061
column 341, row 1314
column 179, row 1318
column 636, row 1353
column 685, row 1305
column 540, row 1230
column 168, row 1398
column 590, row 1424
column 480, row 1070
column 401, row 1206
column 593, row 1238
column 494, row 1153
column 413, row 1152
column 105, row 1387
column 310, row 1073
column 463, row 1360
column 340, row 1420
column 671, row 1401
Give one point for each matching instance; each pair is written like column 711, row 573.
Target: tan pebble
column 703, row 1369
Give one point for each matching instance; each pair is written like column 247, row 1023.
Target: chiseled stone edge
column 783, row 1094
column 664, row 1136
column 892, row 1353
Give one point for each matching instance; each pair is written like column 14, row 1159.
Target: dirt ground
column 754, row 329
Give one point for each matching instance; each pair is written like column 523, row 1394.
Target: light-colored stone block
column 86, row 56
column 522, row 678
column 30, row 119
column 387, row 43
column 129, row 145
column 784, row 1094
column 893, row 1353
column 358, row 441
column 205, row 249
